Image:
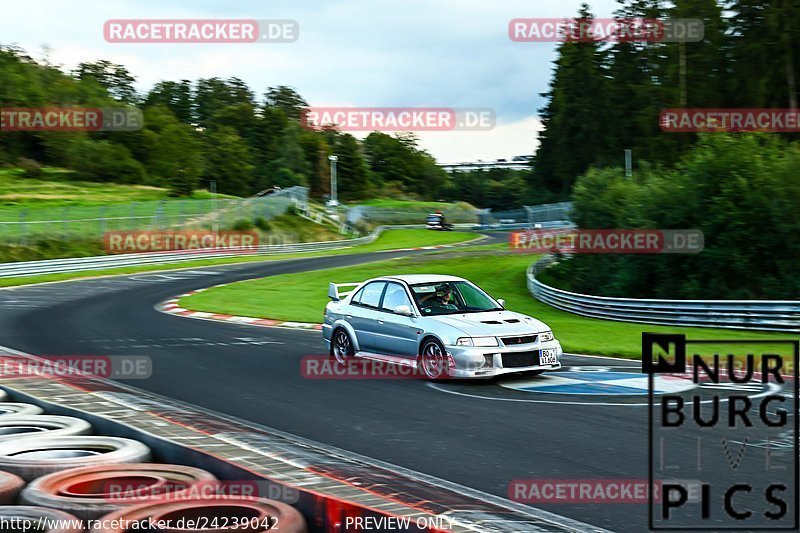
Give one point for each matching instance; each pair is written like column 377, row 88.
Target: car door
column 396, row 334
column 364, row 314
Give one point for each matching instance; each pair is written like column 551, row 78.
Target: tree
column 573, row 118
column 214, row 94
column 316, row 151
column 177, row 158
column 287, row 100
column 241, row 117
column 176, row 96
column 292, row 156
column 114, row 78
column 228, row 161
column 398, row 162
column 352, row 171
column 765, row 52
column 730, row 187
column 104, row 161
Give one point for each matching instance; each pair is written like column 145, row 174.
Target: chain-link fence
column 559, row 212
column 545, row 215
column 373, row 215
column 67, row 222
column 523, row 217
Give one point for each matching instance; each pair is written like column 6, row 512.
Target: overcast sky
column 400, row 53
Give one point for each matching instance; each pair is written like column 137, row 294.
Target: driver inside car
column 444, row 296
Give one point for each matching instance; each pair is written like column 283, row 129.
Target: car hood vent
column 495, row 322
column 512, row 321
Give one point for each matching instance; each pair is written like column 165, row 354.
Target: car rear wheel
column 341, row 347
column 433, row 359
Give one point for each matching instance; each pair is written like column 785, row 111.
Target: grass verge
column 301, row 297
column 388, row 240
column 57, row 187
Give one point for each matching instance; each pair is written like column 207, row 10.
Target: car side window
column 395, row 295
column 357, row 297
column 370, row 296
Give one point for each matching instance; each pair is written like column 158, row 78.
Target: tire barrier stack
column 56, row 477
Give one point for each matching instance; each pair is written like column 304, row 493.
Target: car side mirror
column 403, row 310
column 501, row 302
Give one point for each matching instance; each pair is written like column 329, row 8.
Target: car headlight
column 477, row 341
column 547, row 336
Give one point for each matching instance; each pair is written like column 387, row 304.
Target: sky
column 362, row 53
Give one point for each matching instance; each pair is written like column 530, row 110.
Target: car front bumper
column 470, row 362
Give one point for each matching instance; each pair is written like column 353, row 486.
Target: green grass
column 56, row 188
column 400, row 205
column 301, row 297
column 388, row 240
column 412, row 238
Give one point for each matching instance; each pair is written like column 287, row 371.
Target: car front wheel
column 433, row 360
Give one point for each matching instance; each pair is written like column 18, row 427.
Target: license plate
column 548, row 357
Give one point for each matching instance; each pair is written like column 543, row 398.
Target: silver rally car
column 443, row 325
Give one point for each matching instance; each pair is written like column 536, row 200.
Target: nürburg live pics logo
column 724, row 454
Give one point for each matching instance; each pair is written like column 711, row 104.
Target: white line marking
column 772, row 389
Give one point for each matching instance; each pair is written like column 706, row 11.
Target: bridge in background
column 521, row 162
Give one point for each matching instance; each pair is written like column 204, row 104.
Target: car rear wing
column 335, row 295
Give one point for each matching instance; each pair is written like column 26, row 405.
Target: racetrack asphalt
column 478, row 434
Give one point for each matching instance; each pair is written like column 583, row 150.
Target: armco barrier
column 768, row 315
column 58, row 266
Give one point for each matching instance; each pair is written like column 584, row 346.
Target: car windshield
column 452, row 297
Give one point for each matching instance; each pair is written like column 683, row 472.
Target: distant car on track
column 436, row 221
column 444, row 326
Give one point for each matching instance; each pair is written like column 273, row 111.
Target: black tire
column 433, row 360
column 341, row 346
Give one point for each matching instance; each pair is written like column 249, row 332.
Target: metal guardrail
column 58, row 266
column 767, row 315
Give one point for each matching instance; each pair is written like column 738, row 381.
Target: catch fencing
column 547, row 215
column 21, row 226
column 375, row 215
column 543, row 215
